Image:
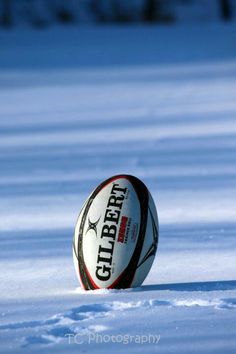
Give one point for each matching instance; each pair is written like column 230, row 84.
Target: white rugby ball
column 116, row 235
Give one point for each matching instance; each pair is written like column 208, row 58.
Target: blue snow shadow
column 194, row 286
column 46, row 243
column 38, row 244
column 62, row 176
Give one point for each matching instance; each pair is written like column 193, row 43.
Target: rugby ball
column 116, row 235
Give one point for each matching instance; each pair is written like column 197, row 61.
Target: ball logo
column 109, row 231
column 92, row 226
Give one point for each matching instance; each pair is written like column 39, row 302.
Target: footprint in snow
column 57, row 327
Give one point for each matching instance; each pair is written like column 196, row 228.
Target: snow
column 78, row 105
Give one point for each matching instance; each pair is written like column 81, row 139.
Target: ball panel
column 149, row 247
column 105, row 235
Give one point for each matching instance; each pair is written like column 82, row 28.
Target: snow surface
column 78, row 105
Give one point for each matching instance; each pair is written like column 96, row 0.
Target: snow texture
column 78, row 105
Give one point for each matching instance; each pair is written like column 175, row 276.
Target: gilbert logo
column 93, row 226
column 109, row 232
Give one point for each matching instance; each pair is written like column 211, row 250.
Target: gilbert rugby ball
column 116, row 235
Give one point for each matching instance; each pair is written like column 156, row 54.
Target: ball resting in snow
column 116, row 235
